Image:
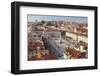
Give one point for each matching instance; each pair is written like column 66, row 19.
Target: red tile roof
column 74, row 53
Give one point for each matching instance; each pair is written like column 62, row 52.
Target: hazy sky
column 80, row 19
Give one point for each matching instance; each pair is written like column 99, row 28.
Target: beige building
column 75, row 37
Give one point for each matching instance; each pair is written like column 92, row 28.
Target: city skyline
column 33, row 18
column 49, row 40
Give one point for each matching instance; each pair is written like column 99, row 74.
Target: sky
column 80, row 19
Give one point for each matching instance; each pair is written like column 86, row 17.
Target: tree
column 42, row 21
